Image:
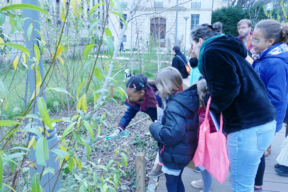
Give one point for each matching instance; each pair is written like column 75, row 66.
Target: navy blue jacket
column 180, row 65
column 235, row 89
column 133, row 110
column 178, row 131
column 273, row 71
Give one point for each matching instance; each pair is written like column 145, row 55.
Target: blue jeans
column 207, row 180
column 245, row 148
column 174, row 183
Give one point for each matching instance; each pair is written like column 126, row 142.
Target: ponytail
column 284, row 33
column 138, row 82
column 272, row 29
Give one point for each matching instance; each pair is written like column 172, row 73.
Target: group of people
column 246, row 79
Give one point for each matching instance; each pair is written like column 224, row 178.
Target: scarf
column 281, row 48
column 249, row 44
column 203, row 46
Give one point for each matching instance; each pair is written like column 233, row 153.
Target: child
column 206, row 180
column 271, row 64
column 195, row 74
column 141, row 97
column 177, row 133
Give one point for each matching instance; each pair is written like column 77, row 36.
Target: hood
column 149, row 99
column 188, row 98
column 223, row 42
column 279, row 50
column 231, row 43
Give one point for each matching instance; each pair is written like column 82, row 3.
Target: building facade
column 157, row 22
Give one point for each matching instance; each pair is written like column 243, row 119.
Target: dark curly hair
column 205, row 31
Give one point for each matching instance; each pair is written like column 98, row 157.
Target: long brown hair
column 202, row 90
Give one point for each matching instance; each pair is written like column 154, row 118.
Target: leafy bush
column 230, row 16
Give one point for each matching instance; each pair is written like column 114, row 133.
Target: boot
column 156, row 172
column 268, row 151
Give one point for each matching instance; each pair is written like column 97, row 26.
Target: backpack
column 188, row 69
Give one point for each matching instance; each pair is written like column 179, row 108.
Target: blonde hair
column 202, row 90
column 168, row 82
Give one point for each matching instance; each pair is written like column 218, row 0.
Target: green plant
column 278, row 12
column 72, row 138
column 230, row 16
column 5, row 49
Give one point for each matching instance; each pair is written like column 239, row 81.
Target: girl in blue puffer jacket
column 271, row 64
column 177, row 133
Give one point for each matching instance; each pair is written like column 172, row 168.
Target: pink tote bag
column 211, row 152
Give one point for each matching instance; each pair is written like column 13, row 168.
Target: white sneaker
column 197, row 184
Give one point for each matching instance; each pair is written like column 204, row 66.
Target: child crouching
column 177, row 134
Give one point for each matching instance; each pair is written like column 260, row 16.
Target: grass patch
column 54, row 103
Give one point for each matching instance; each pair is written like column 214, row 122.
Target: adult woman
column 237, row 92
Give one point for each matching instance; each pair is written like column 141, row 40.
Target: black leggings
column 260, row 172
column 174, row 183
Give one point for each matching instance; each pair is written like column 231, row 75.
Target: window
column 194, row 21
column 121, row 23
column 196, row 4
column 124, row 38
column 158, row 4
column 158, row 30
column 123, row 5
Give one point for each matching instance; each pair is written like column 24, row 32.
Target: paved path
column 272, row 181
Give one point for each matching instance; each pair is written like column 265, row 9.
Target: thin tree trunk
column 107, row 79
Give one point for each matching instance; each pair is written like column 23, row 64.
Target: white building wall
column 219, row 4
column 143, row 22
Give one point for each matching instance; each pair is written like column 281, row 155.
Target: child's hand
column 117, row 131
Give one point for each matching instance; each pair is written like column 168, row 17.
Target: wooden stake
column 140, row 172
column 142, row 69
column 111, row 91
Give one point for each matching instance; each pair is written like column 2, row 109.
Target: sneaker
column 277, row 165
column 197, row 184
column 197, row 170
column 202, row 191
column 257, row 189
column 283, row 171
column 156, row 172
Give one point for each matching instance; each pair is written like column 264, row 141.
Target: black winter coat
column 178, row 131
column 180, row 65
column 235, row 88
